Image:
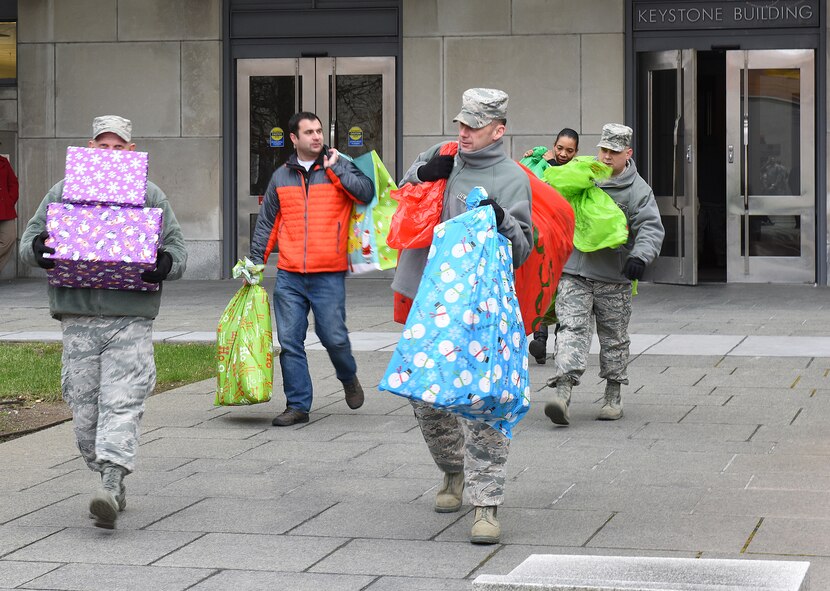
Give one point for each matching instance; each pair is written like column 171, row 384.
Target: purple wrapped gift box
column 102, row 246
column 117, row 177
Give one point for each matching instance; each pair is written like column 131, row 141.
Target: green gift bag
column 244, row 343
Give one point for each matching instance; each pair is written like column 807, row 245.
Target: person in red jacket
column 305, row 217
column 8, row 215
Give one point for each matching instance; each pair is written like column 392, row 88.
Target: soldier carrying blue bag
column 471, row 453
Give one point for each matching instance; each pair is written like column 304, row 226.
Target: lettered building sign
column 725, row 14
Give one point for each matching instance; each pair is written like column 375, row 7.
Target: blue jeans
column 324, row 294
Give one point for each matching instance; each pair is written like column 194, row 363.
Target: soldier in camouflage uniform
column 471, row 454
column 108, row 368
column 598, row 285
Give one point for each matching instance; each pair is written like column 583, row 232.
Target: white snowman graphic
column 421, row 359
column 453, row 293
column 415, row 332
column 447, row 273
column 449, row 350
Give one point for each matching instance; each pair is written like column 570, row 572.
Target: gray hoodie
column 645, row 230
column 506, row 183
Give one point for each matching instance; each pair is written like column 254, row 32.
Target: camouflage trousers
column 108, row 371
column 578, row 302
column 461, row 445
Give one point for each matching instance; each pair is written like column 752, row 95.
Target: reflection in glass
column 272, row 104
column 772, row 235
column 673, row 245
column 8, row 51
column 663, row 114
column 359, row 114
column 774, row 131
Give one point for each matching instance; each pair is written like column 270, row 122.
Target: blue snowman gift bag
column 463, row 348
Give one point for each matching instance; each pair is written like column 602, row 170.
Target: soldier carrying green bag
column 596, row 281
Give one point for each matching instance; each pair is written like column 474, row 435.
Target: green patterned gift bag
column 244, row 343
column 369, row 224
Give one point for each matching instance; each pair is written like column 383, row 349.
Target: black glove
column 164, row 262
column 496, row 209
column 634, row 269
column 439, row 167
column 39, row 248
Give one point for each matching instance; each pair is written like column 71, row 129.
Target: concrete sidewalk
column 724, row 451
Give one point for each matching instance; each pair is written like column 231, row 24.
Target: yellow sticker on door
column 355, row 136
column 277, row 137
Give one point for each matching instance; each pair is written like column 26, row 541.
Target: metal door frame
column 681, row 269
column 317, row 87
column 758, row 269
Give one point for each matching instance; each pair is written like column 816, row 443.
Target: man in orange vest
column 305, row 217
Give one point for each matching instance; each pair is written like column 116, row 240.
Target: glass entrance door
column 353, row 97
column 667, row 157
column 770, row 166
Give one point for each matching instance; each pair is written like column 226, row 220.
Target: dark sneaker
column 290, row 416
column 538, row 349
column 354, row 393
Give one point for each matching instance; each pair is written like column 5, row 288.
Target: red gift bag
column 419, row 210
column 553, row 234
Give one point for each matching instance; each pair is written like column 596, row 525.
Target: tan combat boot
column 557, row 409
column 448, row 499
column 105, row 504
column 612, row 406
column 486, row 528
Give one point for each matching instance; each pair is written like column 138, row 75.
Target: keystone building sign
column 725, row 14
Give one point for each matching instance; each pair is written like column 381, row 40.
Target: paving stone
column 23, row 478
column 15, row 505
column 197, row 447
column 242, row 516
column 406, row 558
column 375, row 519
column 694, row 432
column 204, row 432
column 85, row 481
column 536, row 526
column 95, row 577
column 766, row 503
column 623, row 498
column 794, row 537
column 780, row 463
column 94, row 545
column 141, row 511
column 252, row 552
column 322, row 451
column 14, row 574
column 257, row 486
column 418, row 584
column 743, row 415
column 346, row 487
column 268, row 581
column 675, row 531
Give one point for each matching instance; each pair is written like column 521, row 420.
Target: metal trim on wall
column 375, row 29
column 748, row 39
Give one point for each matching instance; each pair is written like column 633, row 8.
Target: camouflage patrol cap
column 480, row 106
column 121, row 127
column 615, row 136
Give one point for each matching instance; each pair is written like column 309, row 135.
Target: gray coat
column 645, row 230
column 505, row 182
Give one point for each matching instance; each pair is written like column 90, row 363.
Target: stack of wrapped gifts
column 102, row 235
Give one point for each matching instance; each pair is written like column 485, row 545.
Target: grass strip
column 32, row 371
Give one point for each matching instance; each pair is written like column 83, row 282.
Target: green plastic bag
column 369, row 223
column 536, row 162
column 244, row 343
column 600, row 223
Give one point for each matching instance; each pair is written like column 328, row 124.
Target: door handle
column 689, row 153
column 730, row 150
